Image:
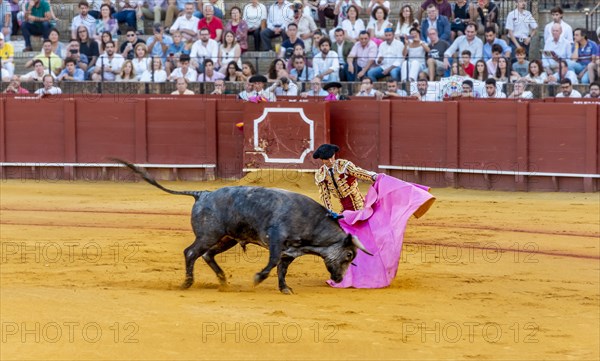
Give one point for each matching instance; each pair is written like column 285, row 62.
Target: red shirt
column 469, row 69
column 214, row 25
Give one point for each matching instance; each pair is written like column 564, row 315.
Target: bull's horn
column 359, row 245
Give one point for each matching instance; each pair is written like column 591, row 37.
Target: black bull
column 288, row 224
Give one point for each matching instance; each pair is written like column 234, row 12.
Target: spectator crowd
column 455, row 46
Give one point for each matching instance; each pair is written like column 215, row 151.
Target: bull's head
column 340, row 255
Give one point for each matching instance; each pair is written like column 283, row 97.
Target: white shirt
column 52, row 91
column 391, row 53
column 200, row 51
column 89, row 22
column 280, row 15
column 321, row 65
column 567, row 31
column 116, row 63
column 29, row 76
column 370, row 93
column 570, row 75
column 352, row 31
column 574, row 94
column 562, row 48
column 292, row 90
column 191, row 75
column 159, row 76
column 525, row 95
column 461, row 43
column 140, row 66
column 386, row 4
column 254, row 15
column 520, row 23
column 498, row 95
column 183, row 23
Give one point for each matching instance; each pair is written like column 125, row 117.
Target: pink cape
column 380, row 227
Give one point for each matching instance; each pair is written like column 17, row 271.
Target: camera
column 73, row 51
column 297, row 7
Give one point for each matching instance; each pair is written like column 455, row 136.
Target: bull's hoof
column 187, row 283
column 258, row 278
column 287, row 291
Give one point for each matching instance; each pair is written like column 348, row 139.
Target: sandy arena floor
column 91, row 271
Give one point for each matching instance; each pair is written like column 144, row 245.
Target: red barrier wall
column 500, row 135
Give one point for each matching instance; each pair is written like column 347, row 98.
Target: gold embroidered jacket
column 345, row 186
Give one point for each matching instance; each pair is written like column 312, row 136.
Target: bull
column 288, row 224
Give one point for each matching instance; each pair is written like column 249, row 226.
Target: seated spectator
column 415, row 52
column 184, row 70
column 218, row 8
column 490, row 41
column 238, row 27
column 4, row 75
column 583, row 52
column 342, row 7
column 326, row 10
column 142, row 61
column 406, row 21
column 159, row 42
column 284, row 86
column 316, row 38
column 96, row 7
column 109, row 64
column 443, row 7
column 438, row 22
column 49, row 88
column 7, row 55
column 106, row 23
column 127, row 73
column 127, row 49
column 465, row 62
column 594, row 68
column 127, row 13
column 485, row 14
column 481, row 71
column 374, row 4
column 186, row 25
column 298, row 51
column 6, row 18
column 14, row 87
column 325, row 64
column 535, row 74
column 334, row 91
column 276, row 70
column 466, row 42
column 81, row 60
column 38, row 72
column 288, row 45
column 563, row 72
column 255, row 15
column 361, row 57
column 300, row 72
column 234, row 73
column 315, row 89
column 388, row 61
column 594, row 91
column 392, row 91
column 555, row 49
column 37, row 21
column 211, row 22
column 467, row 90
column 105, row 37
column 71, row 72
column 353, row 25
column 210, row 74
column 519, row 91
column 521, row 66
column 258, row 81
column 182, row 87
column 48, row 58
column 175, row 8
column 566, row 90
column 204, row 48
column 557, row 18
column 377, row 27
column 435, row 57
column 521, row 26
column 248, row 69
column 366, row 88
column 460, row 18
column 503, row 71
column 155, row 75
column 247, row 92
column 229, row 51
column 175, row 51
column 154, row 9
column 491, row 90
column 306, row 26
column 219, row 88
column 58, row 47
column 84, row 18
column 423, row 93
column 279, row 16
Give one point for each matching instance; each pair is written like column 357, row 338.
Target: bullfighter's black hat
column 258, row 79
column 325, row 151
column 333, row 84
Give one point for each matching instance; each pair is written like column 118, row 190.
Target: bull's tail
column 148, row 178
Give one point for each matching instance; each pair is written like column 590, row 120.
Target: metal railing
column 592, row 18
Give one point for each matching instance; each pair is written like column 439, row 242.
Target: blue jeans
column 578, row 68
column 36, row 28
column 352, row 76
column 127, row 16
column 377, row 73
